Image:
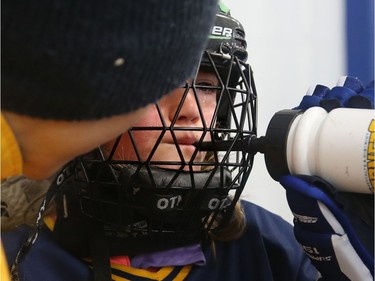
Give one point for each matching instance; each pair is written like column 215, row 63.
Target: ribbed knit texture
column 75, row 60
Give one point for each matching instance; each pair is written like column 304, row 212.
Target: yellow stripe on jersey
column 159, row 275
column 127, row 272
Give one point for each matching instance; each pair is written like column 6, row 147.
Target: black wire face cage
column 146, row 194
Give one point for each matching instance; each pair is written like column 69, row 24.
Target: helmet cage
column 147, row 198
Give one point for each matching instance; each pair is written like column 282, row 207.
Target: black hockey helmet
column 110, row 205
column 147, row 204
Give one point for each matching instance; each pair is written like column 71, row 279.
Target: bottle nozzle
column 250, row 144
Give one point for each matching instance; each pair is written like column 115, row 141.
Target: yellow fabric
column 158, row 275
column 11, row 165
column 3, row 265
column 50, row 222
column 11, row 158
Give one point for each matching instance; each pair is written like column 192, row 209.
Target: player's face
column 188, row 116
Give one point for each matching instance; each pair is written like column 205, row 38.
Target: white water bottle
column 337, row 146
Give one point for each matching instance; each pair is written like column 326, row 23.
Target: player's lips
column 184, row 142
column 187, row 140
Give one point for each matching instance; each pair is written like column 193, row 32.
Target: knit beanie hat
column 81, row 60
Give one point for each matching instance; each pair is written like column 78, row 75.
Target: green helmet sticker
column 223, row 8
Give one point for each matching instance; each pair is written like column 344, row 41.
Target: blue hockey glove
column 349, row 92
column 324, row 231
column 320, row 224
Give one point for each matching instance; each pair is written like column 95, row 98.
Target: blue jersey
column 266, row 251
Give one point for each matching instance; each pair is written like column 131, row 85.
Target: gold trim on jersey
column 179, row 273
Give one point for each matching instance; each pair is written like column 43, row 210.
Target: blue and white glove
column 320, row 224
column 324, row 231
column 349, row 92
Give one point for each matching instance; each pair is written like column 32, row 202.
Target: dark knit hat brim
column 76, row 60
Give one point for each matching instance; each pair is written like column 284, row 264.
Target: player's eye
column 207, row 88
